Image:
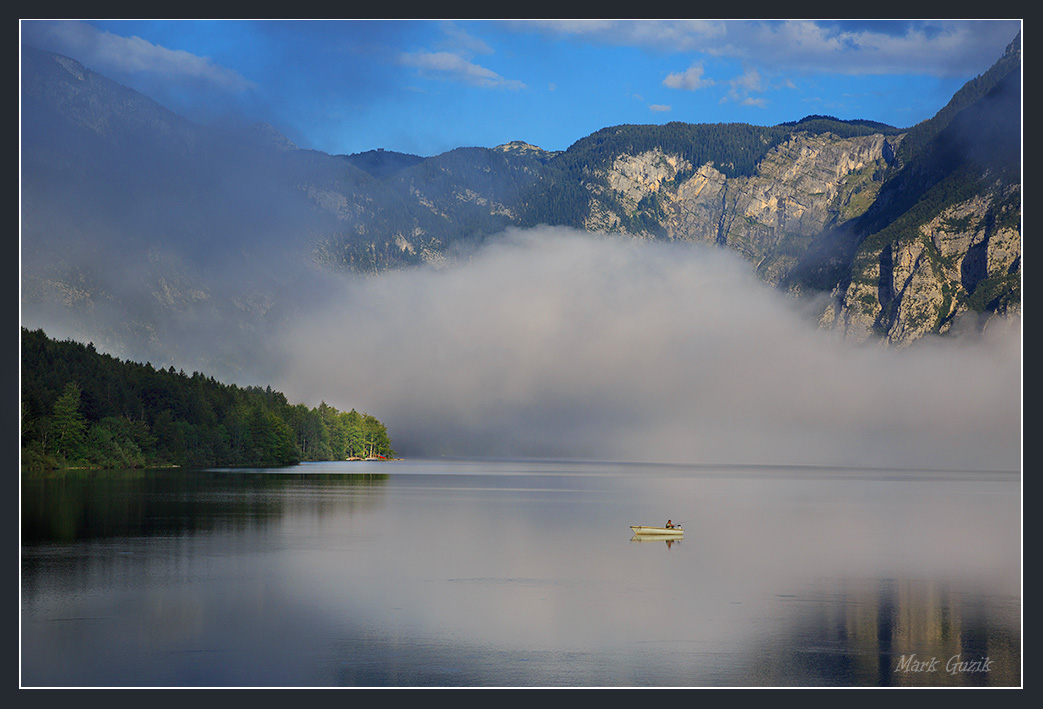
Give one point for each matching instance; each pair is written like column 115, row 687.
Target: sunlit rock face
column 965, row 260
column 968, row 254
column 804, row 185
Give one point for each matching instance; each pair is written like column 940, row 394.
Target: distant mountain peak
column 517, row 145
column 72, row 66
column 381, row 163
column 520, row 147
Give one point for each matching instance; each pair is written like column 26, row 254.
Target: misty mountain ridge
column 133, row 215
column 380, row 163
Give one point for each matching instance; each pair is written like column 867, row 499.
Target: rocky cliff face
column 803, row 186
column 965, row 260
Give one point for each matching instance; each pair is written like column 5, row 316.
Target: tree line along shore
column 84, row 409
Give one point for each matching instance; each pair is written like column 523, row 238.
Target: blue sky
column 427, row 86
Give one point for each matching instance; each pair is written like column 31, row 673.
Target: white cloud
column 658, row 107
column 552, row 342
column 943, row 48
column 110, row 53
column 749, row 82
column 689, row 80
column 675, row 35
column 453, row 67
column 460, row 41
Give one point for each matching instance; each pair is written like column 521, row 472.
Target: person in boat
column 670, row 524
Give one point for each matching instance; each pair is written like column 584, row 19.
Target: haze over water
column 519, row 573
column 555, row 343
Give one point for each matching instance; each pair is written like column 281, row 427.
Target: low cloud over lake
column 556, row 343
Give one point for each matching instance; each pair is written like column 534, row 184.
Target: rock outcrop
column 804, row 185
column 965, row 262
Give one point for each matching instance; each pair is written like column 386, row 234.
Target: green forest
column 84, row 409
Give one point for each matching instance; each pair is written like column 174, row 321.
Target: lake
column 519, row 573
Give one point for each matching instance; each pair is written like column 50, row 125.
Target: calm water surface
column 515, row 574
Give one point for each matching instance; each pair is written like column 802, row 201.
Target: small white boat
column 657, row 531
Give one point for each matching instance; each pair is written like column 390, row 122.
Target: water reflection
column 518, row 574
column 107, row 504
column 668, row 541
column 888, row 632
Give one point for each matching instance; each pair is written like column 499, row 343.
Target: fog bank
column 554, row 343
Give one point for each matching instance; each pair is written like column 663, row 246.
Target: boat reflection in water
column 669, row 541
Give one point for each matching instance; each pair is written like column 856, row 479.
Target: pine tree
column 68, row 424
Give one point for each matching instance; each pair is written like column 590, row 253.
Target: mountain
column 380, row 163
column 943, row 237
column 133, row 214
